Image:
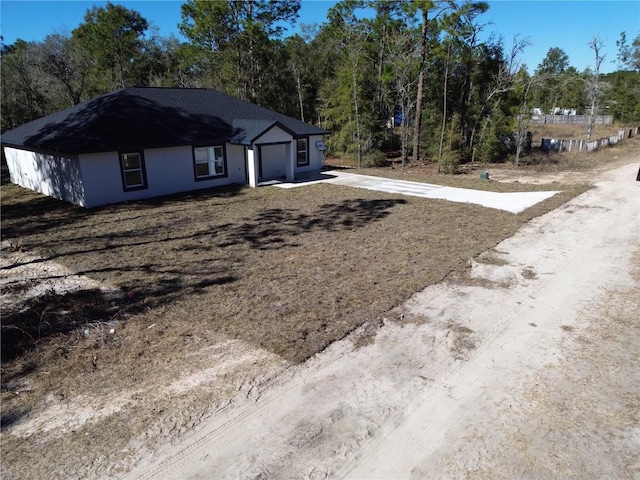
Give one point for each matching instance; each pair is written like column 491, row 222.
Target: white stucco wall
column 273, row 135
column 169, row 170
column 102, row 178
column 52, row 174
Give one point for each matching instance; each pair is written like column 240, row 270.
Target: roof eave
column 38, row 148
column 280, row 125
column 276, row 123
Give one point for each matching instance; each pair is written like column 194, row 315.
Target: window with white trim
column 133, row 174
column 303, row 152
column 209, row 162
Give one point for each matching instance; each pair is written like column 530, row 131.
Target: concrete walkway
column 514, row 202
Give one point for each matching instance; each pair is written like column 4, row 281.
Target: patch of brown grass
column 462, row 342
column 491, row 258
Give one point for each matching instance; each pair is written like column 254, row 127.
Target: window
column 209, row 162
column 303, row 157
column 133, row 173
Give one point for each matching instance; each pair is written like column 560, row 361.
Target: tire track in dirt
column 258, row 405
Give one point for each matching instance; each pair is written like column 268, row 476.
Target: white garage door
column 273, row 161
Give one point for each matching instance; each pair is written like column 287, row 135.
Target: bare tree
column 65, row 61
column 593, row 87
column 502, row 82
column 461, row 32
column 356, row 41
column 401, row 55
column 352, row 36
column 424, row 11
column 444, row 97
column 297, row 50
column 524, row 84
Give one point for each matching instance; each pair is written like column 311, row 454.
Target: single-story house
column 145, row 142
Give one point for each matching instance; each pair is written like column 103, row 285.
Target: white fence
column 571, row 119
column 561, row 145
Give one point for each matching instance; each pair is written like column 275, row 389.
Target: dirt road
column 527, row 367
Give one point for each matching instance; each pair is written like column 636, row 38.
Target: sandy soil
column 525, row 367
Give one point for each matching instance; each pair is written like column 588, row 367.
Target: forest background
column 414, row 77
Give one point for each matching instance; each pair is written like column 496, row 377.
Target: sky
column 568, row 25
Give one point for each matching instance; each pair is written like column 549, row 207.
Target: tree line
column 417, row 77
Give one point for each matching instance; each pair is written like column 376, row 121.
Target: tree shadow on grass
column 180, row 199
column 30, row 213
column 276, row 228
column 28, row 323
column 172, row 285
column 37, row 213
column 127, row 239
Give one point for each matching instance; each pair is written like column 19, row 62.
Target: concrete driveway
column 514, row 202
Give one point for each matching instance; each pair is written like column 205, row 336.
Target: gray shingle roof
column 134, row 118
